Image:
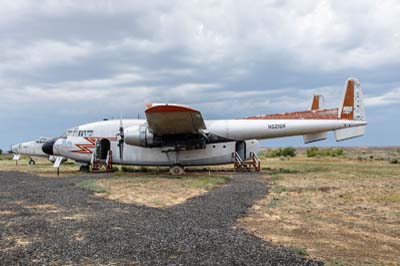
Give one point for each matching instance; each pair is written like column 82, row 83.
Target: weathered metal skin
column 313, row 114
column 30, row 148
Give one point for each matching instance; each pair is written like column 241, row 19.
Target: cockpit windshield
column 75, row 132
column 71, row 132
column 42, row 140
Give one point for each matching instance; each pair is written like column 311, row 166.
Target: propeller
column 121, row 140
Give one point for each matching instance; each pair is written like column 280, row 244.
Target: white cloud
column 389, row 98
column 42, row 54
column 327, row 35
column 227, row 58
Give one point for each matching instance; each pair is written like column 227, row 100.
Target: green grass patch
column 300, row 251
column 92, row 185
column 390, row 198
column 273, row 203
column 283, row 171
column 279, row 189
column 335, row 167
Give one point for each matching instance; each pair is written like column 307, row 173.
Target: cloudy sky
column 64, row 63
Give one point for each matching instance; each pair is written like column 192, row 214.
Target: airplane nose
column 14, row 148
column 48, row 147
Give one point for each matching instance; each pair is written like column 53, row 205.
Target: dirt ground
column 51, row 221
column 345, row 212
column 158, row 191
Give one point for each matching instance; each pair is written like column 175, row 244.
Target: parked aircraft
column 177, row 136
column 31, row 148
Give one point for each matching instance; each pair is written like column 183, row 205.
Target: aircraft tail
column 315, row 102
column 353, row 103
column 352, row 109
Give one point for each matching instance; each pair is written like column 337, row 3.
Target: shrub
column 281, row 152
column 394, row 161
column 327, row 152
column 272, row 153
column 289, row 152
column 312, row 152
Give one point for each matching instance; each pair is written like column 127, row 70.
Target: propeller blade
column 121, row 139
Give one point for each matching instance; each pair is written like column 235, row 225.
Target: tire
column 31, row 162
column 177, row 170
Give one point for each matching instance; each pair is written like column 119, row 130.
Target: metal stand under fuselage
column 246, row 165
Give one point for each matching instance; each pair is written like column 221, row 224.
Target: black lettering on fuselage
column 276, row 126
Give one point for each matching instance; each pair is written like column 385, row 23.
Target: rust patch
column 165, row 108
column 315, row 103
column 348, row 102
column 313, row 114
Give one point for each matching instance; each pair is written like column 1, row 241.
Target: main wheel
column 177, row 170
column 31, row 162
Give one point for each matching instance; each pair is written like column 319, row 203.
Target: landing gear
column 176, row 170
column 84, row 168
column 31, row 161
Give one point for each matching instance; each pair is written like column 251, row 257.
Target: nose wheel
column 31, row 162
column 84, row 168
column 176, row 170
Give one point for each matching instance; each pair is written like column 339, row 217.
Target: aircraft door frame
column 240, row 148
column 102, row 148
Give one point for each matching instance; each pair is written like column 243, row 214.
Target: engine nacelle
column 139, row 136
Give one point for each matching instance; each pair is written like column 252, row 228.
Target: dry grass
column 153, row 190
column 345, row 212
column 43, row 167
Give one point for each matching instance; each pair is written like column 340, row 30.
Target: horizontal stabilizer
column 349, row 133
column 308, row 138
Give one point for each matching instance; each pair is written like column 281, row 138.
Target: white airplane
column 177, row 136
column 30, row 148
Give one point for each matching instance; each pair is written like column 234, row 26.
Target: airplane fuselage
column 80, row 142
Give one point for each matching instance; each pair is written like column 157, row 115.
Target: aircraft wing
column 172, row 119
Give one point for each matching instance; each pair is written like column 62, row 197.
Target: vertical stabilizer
column 353, row 104
column 315, row 102
column 352, row 109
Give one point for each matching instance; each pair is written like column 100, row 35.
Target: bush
column 327, row 152
column 281, row 152
column 289, row 152
column 312, row 152
column 394, row 161
column 128, row 169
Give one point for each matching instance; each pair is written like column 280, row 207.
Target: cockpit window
column 71, row 132
column 85, row 133
column 42, row 140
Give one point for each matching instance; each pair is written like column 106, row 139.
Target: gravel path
column 48, row 221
